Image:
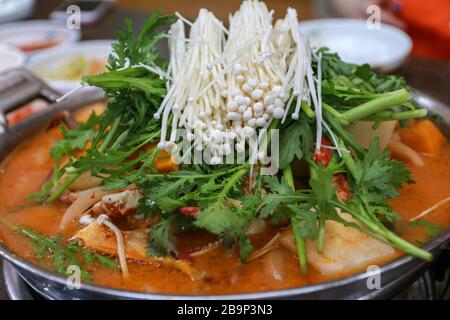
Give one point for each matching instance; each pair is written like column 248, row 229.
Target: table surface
column 430, row 76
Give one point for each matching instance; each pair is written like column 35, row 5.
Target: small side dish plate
column 63, row 67
column 37, row 35
column 10, row 58
column 384, row 48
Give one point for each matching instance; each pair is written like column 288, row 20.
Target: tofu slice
column 345, row 249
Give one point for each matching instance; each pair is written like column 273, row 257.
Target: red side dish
column 37, row 45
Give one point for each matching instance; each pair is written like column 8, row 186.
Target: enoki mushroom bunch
column 225, row 85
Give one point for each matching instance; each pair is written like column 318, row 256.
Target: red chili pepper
column 323, row 155
column 184, row 256
column 189, row 211
column 342, row 187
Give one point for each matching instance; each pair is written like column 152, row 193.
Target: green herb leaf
column 305, row 221
column 432, row 229
column 382, row 176
column 158, row 238
column 280, row 194
column 295, row 141
column 245, row 248
column 64, row 256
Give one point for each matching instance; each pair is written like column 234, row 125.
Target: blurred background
column 428, row 23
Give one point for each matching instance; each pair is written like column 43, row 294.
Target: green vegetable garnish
column 64, row 255
column 120, row 155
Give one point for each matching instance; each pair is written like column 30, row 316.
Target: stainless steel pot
column 394, row 276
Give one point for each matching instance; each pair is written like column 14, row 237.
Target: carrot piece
column 423, row 136
column 164, row 163
column 343, row 193
column 191, row 212
column 25, row 111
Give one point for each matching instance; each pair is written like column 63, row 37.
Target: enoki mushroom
column 430, row 209
column 103, row 220
column 266, row 249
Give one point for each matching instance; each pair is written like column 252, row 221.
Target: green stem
column 322, row 209
column 110, row 134
column 231, row 183
column 381, row 103
column 70, row 179
column 407, row 247
column 299, row 240
column 342, row 119
column 120, row 139
column 350, row 163
column 287, row 174
column 344, row 134
column 405, row 115
column 321, row 236
column 301, row 248
column 387, row 234
column 307, row 110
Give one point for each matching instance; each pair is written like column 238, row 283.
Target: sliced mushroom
column 205, row 250
column 364, row 132
column 85, row 181
column 84, row 200
column 121, row 203
column 266, row 249
column 403, row 152
column 273, row 264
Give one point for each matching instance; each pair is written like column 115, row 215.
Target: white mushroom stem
column 399, row 148
column 183, row 18
column 86, row 219
column 208, row 248
column 155, row 69
column 70, row 92
column 189, row 60
column 85, row 199
column 103, row 220
column 431, row 209
column 333, row 139
column 267, row 248
column 336, row 148
column 221, row 87
column 177, row 46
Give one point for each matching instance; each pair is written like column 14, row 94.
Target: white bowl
column 385, row 48
column 37, row 32
column 10, row 58
column 51, row 65
column 13, row 10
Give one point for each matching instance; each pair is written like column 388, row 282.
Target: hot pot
column 18, row 87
